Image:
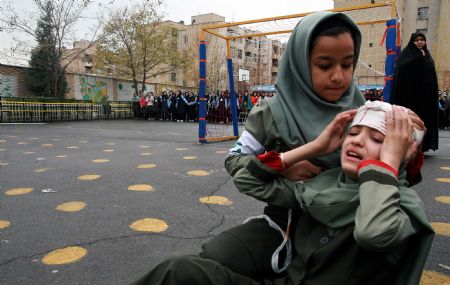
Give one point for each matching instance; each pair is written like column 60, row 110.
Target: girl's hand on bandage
column 332, row 137
column 398, row 144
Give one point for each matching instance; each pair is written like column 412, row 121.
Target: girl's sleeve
column 380, row 222
column 252, row 177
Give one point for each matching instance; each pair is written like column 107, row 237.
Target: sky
column 182, row 10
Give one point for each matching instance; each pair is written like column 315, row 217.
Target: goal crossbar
column 370, row 16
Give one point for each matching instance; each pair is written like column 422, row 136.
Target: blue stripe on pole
column 232, row 98
column 390, row 58
column 202, row 87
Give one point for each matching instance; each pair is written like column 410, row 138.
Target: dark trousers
column 240, row 255
column 193, row 270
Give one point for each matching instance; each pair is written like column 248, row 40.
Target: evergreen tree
column 46, row 76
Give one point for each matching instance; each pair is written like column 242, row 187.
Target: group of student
column 183, row 106
column 168, row 106
column 355, row 218
column 373, row 94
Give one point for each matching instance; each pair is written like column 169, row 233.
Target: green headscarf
column 299, row 114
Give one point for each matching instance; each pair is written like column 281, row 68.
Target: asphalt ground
column 101, row 202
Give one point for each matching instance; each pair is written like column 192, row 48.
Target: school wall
column 12, row 81
column 79, row 86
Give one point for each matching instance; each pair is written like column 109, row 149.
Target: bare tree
column 61, row 17
column 216, row 65
column 137, row 44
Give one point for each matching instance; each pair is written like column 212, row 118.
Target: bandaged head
column 373, row 115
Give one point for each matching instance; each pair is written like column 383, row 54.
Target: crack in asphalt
column 208, row 235
column 101, row 240
column 220, row 216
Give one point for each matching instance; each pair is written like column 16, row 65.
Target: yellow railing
column 25, row 111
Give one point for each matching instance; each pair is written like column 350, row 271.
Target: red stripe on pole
column 202, row 99
column 201, row 119
column 202, row 60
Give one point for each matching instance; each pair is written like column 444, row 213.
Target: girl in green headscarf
column 359, row 223
column 315, row 83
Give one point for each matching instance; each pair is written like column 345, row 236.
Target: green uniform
column 329, row 245
column 371, row 232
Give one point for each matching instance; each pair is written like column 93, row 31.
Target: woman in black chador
column 416, row 86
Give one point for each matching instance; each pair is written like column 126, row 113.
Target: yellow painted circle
column 47, row 145
column 108, row 150
column 447, row 180
column 22, row 143
column 198, row 173
column 181, row 148
column 73, row 147
column 443, row 199
column 149, row 225
column 140, row 187
column 65, row 255
column 71, row 206
column 189, row 157
column 100, row 160
column 89, row 177
column 83, row 141
column 145, row 166
column 2, row 141
column 442, row 229
column 221, row 151
column 61, row 156
column 18, row 191
column 445, row 168
column 146, row 153
column 434, row 278
column 28, row 152
column 40, row 170
column 219, row 200
column 4, row 224
column 144, row 146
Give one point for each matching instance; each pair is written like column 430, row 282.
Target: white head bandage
column 373, row 115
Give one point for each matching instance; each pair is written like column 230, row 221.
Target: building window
column 185, row 37
column 173, row 76
column 248, row 54
column 422, row 13
column 370, row 44
column 275, row 62
column 87, row 58
column 239, row 55
column 275, row 49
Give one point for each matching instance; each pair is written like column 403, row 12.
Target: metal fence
column 15, row 111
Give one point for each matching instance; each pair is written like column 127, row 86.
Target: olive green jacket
column 348, row 232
